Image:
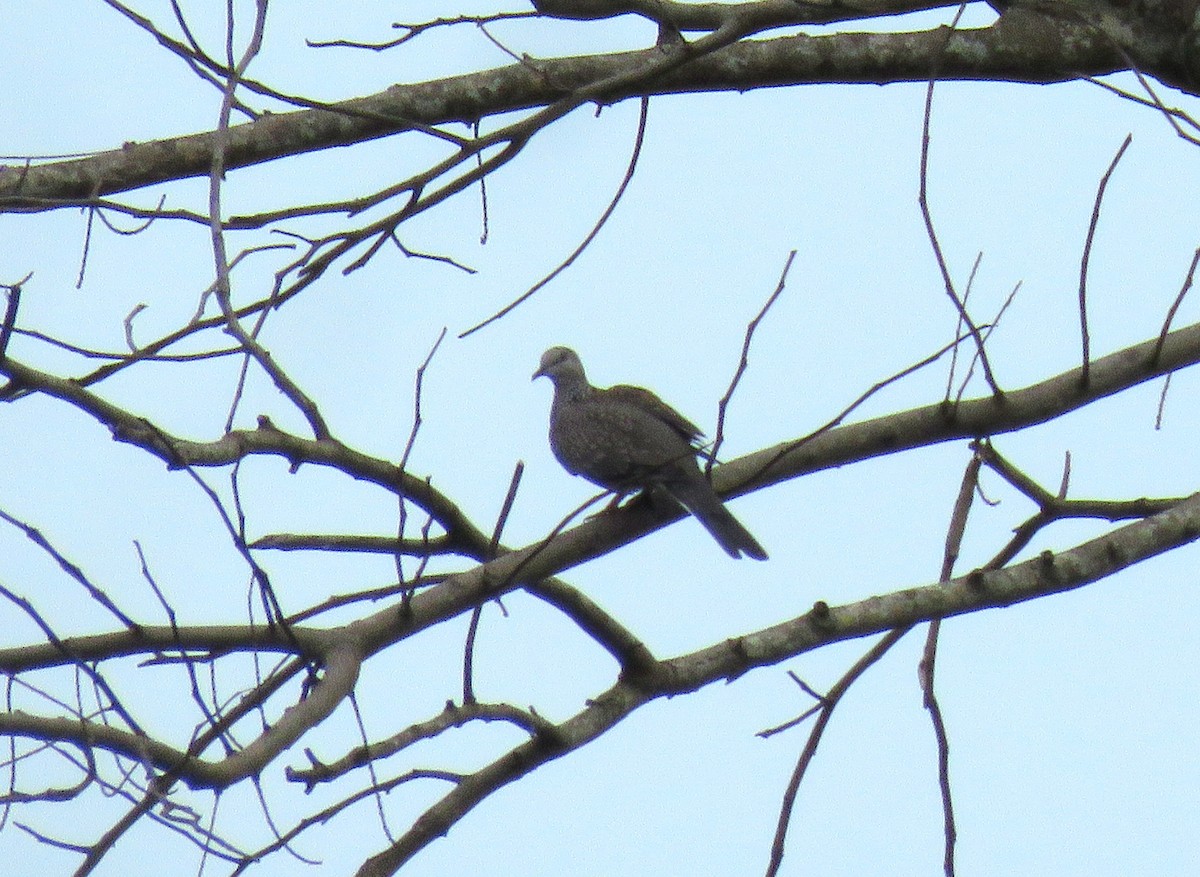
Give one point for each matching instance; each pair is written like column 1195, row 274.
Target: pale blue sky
column 1071, row 719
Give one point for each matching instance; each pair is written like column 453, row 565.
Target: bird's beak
column 538, row 374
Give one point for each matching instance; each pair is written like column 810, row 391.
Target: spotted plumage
column 625, row 438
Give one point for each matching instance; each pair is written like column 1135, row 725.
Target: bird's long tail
column 697, row 496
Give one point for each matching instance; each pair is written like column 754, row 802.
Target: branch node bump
column 820, row 616
column 1046, row 564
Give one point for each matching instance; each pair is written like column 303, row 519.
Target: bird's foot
column 624, row 499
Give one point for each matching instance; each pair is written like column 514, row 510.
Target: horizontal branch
column 1021, row 48
column 355, row 543
column 187, row 641
column 686, row 16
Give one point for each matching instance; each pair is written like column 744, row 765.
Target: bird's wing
column 644, row 400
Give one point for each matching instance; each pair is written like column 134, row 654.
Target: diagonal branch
column 1045, row 574
column 827, row 448
column 267, row 439
column 341, row 672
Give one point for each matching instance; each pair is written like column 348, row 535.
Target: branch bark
column 1041, row 576
column 1018, row 48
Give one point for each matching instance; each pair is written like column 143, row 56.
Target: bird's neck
column 571, row 388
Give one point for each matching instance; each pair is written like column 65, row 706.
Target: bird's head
column 558, row 363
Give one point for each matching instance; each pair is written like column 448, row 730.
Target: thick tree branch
column 1019, row 48
column 159, row 640
column 1043, row 575
column 975, row 418
column 709, row 16
column 240, row 443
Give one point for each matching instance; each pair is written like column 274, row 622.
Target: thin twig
column 927, row 216
column 402, row 512
column 863, row 397
column 958, row 329
column 1087, row 252
column 988, row 329
column 829, row 702
column 954, row 536
column 371, row 771
column 591, row 235
column 473, row 627
column 35, row 536
column 744, row 362
column 10, row 313
column 414, row 30
column 189, row 666
column 1171, row 311
column 1173, row 115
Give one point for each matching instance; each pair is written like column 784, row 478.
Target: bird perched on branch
column 625, row 438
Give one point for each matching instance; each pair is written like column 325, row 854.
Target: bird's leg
column 705, row 453
column 614, row 503
column 636, row 496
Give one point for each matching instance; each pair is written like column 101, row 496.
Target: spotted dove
column 625, row 438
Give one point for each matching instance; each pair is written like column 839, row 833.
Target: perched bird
column 625, row 438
